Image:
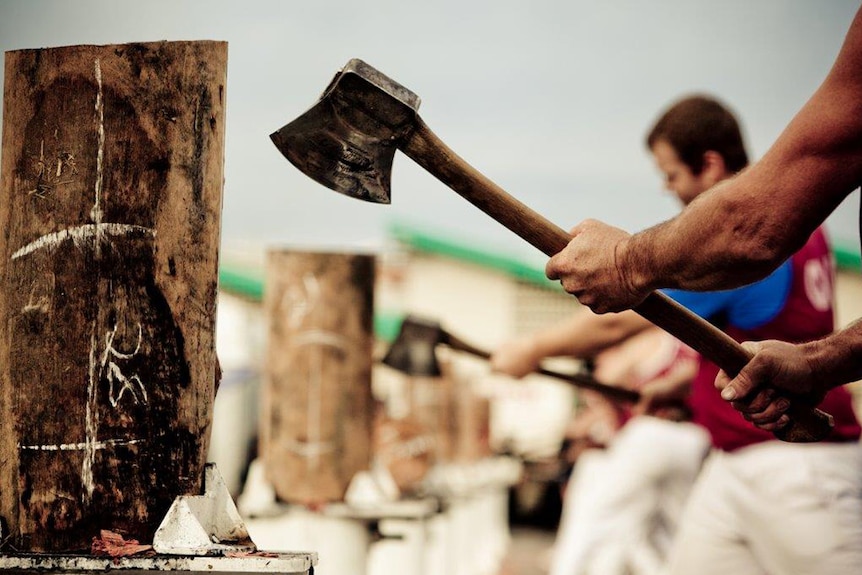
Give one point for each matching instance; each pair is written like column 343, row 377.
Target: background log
column 317, row 411
column 112, row 175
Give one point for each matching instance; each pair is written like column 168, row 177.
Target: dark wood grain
column 112, row 171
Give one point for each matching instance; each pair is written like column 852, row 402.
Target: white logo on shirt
column 818, row 283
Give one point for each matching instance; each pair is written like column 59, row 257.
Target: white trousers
column 774, row 508
column 622, row 503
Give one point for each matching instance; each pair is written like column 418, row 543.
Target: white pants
column 622, row 503
column 775, row 508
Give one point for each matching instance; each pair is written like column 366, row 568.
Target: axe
column 413, row 352
column 347, row 142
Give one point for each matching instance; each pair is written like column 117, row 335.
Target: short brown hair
column 698, row 124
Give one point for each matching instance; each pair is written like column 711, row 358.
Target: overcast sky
column 548, row 98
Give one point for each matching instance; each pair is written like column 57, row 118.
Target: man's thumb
column 743, row 383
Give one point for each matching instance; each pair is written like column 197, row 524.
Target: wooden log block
column 317, row 411
column 404, row 447
column 112, row 175
column 473, row 419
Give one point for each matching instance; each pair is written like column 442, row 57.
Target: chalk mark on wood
column 309, row 450
column 96, row 213
column 300, row 301
column 314, row 446
column 115, row 373
column 101, row 362
column 97, row 231
column 46, row 180
column 91, row 424
column 81, row 234
column 104, row 444
column 39, row 300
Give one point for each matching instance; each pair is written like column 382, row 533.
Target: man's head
column 696, row 143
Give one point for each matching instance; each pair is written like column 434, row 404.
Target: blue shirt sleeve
column 746, row 307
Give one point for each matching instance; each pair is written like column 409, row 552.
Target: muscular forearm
column 728, row 237
column 746, row 226
column 837, row 359
column 714, row 243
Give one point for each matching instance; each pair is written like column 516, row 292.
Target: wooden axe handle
column 426, row 149
column 577, row 379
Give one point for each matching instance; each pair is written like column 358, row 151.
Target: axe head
column 414, row 349
column 348, row 139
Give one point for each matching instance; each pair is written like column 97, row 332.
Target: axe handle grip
column 576, row 379
column 587, row 382
column 807, row 424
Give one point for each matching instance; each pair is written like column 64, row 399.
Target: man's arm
column 808, row 370
column 661, row 394
column 583, row 335
column 744, row 227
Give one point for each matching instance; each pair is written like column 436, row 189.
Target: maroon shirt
column 806, row 315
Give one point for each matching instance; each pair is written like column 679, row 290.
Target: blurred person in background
column 744, row 229
column 759, row 505
column 632, row 472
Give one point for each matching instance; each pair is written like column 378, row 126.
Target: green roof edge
column 431, row 243
column 241, row 282
column 249, row 284
column 847, row 258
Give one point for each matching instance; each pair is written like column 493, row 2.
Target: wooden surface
column 112, row 175
column 317, row 409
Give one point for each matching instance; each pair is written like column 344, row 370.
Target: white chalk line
column 84, row 446
column 80, row 234
column 309, row 450
column 96, row 214
column 299, row 305
column 321, row 337
column 314, row 448
column 91, row 424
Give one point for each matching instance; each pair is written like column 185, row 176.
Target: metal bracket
column 207, row 524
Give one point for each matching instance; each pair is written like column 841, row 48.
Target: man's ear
column 714, row 169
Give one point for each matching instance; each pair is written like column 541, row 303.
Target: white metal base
column 199, row 534
column 285, row 563
column 207, row 524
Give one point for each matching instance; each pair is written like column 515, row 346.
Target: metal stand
column 286, row 563
column 199, row 534
column 207, row 524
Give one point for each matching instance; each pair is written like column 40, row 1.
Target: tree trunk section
column 317, row 405
column 112, row 171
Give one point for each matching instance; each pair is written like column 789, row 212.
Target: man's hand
column 777, row 372
column 668, row 391
column 516, row 357
column 590, row 268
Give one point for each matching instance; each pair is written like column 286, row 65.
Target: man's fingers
column 763, row 413
column 771, row 414
column 775, row 425
column 746, row 380
column 766, row 409
column 750, row 392
column 758, row 401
